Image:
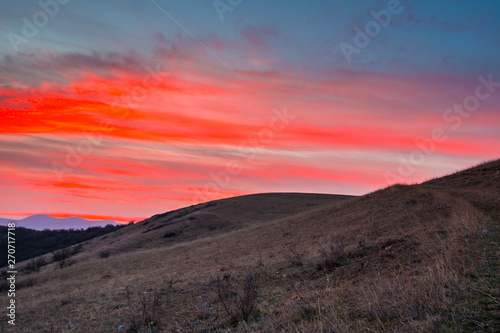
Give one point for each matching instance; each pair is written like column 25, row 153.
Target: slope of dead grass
column 207, row 220
column 416, row 258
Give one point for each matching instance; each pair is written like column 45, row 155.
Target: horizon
column 45, row 214
column 94, row 218
column 123, row 110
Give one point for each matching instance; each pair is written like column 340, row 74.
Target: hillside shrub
column 34, row 265
column 61, row 257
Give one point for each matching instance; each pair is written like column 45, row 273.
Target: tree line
column 33, row 243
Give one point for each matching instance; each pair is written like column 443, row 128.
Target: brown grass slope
column 479, row 185
column 208, row 220
column 420, row 258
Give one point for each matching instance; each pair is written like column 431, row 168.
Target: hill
column 210, row 219
column 408, row 258
column 43, row 221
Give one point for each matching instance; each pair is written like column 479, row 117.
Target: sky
column 120, row 110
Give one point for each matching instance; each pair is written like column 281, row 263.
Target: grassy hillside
column 418, row 258
column 208, row 220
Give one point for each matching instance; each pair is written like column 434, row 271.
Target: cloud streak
column 140, row 118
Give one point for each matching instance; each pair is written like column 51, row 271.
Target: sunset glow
column 119, row 111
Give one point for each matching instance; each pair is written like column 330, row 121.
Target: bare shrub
column 170, row 281
column 66, row 300
column 104, row 254
column 332, row 255
column 61, row 257
column 238, row 298
column 295, row 257
column 143, row 311
column 26, row 283
column 35, row 264
column 170, row 234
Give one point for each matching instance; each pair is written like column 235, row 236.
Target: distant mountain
column 42, row 221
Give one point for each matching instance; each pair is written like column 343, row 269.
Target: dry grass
column 404, row 259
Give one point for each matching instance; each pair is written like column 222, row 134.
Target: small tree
column 61, row 256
